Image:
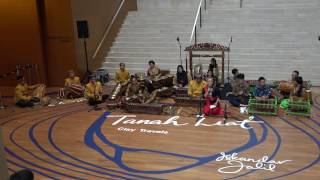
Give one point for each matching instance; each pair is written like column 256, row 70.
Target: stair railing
column 198, row 18
column 107, row 30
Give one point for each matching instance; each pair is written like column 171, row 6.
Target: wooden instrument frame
column 207, row 47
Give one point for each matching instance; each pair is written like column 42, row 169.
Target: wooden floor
column 73, row 142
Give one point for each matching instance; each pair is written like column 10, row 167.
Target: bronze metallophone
column 182, row 92
column 145, row 108
column 117, row 92
column 163, row 81
column 189, row 101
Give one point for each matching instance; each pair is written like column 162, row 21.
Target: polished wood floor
column 73, row 142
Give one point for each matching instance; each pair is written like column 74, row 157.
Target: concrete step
column 270, row 38
column 245, row 49
column 253, row 61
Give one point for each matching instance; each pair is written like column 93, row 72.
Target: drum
column 308, row 95
column 76, row 91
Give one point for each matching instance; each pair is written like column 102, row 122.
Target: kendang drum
column 77, row 91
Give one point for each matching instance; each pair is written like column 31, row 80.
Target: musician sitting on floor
column 210, row 75
column 93, row 91
column 240, row 92
column 181, row 79
column 262, row 91
column 153, row 70
column 213, row 67
column 212, row 95
column 196, row 86
column 72, row 87
column 138, row 93
column 22, row 96
column 152, row 73
column 235, row 73
column 286, row 87
column 132, row 89
column 122, row 75
column 298, row 93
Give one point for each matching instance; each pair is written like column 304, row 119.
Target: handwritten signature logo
column 237, row 164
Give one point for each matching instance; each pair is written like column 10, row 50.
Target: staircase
column 271, row 38
column 150, row 34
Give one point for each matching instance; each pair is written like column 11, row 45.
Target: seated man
column 93, row 91
column 72, row 87
column 152, row 73
column 122, row 75
column 138, row 93
column 240, row 92
column 262, row 91
column 196, row 86
column 132, row 89
column 22, row 96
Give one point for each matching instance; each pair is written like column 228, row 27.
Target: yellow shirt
column 74, row 80
column 122, row 76
column 195, row 89
column 94, row 90
column 21, row 92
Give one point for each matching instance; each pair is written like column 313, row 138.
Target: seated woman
column 181, row 79
column 298, row 93
column 240, row 92
column 93, row 91
column 72, row 87
column 213, row 67
column 209, row 75
column 196, row 86
column 212, row 95
column 262, row 91
column 22, row 96
column 285, row 87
